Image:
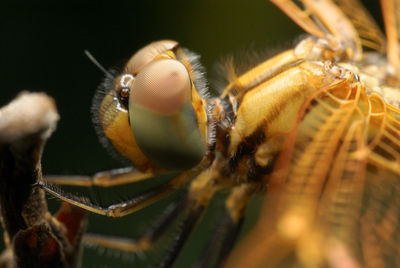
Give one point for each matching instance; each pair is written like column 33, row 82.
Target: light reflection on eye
column 126, row 79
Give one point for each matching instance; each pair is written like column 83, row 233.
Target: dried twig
column 33, row 237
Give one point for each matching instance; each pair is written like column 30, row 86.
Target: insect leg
column 126, row 207
column 193, row 204
column 149, row 237
column 192, row 212
column 228, row 228
column 103, row 179
column 191, row 218
column 201, row 190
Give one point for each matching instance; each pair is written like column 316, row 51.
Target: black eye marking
column 124, row 92
column 124, row 96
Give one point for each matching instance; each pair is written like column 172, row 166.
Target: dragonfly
column 314, row 129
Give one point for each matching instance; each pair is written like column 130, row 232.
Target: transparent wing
column 333, row 199
column 324, row 19
column 391, row 18
column 369, row 32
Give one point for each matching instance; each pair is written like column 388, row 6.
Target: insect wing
column 370, row 34
column 333, row 196
column 391, row 17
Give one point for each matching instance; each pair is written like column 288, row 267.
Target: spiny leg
column 200, row 192
column 150, row 236
column 192, row 205
column 228, row 227
column 191, row 218
column 102, row 179
column 192, row 212
column 126, row 207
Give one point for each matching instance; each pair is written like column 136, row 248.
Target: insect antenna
column 95, row 62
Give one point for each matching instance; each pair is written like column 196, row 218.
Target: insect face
column 154, row 114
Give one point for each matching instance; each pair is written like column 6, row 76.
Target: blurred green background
column 42, row 46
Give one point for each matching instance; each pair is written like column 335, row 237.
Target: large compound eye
column 162, row 87
column 162, row 118
column 147, row 55
column 136, row 63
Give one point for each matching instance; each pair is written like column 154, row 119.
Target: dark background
column 42, row 48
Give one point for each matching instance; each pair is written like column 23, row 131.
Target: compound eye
column 147, row 54
column 162, row 117
column 162, row 87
